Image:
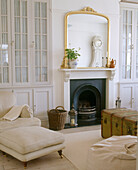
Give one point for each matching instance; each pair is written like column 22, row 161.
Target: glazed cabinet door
column 40, row 39
column 5, row 43
column 24, row 42
column 127, row 43
column 20, row 41
column 136, row 46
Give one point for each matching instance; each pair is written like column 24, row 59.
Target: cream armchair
column 12, row 116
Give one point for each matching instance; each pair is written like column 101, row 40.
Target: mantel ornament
column 96, row 24
column 112, row 75
column 88, row 9
column 66, row 77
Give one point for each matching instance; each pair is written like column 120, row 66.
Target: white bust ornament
column 96, row 60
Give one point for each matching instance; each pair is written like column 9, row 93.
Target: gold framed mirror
column 88, row 30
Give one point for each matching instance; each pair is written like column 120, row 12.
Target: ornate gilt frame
column 86, row 10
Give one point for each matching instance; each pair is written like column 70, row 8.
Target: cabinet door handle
column 33, row 44
column 133, row 100
column 12, row 43
column 132, row 46
column 34, row 108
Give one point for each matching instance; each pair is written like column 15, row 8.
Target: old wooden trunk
column 112, row 121
column 130, row 125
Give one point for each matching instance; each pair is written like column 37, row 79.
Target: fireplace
column 88, row 99
column 91, row 75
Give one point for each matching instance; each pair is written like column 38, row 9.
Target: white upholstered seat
column 27, row 143
column 7, row 102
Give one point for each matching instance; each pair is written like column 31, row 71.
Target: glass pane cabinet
column 24, row 50
column 40, row 42
column 21, row 41
column 20, row 20
column 129, row 44
column 129, row 56
column 4, row 39
column 137, row 46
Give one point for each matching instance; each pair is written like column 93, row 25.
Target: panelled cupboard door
column 23, row 96
column 136, row 97
column 127, row 95
column 42, row 102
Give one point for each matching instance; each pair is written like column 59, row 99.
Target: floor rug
column 78, row 145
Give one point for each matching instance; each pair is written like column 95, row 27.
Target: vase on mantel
column 72, row 55
column 73, row 63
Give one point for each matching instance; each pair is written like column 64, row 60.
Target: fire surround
column 89, row 73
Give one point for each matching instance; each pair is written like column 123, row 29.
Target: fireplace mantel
column 89, row 73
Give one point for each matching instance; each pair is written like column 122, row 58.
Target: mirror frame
column 90, row 11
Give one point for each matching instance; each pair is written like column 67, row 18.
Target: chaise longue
column 21, row 134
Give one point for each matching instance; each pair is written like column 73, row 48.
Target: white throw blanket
column 114, row 153
column 15, row 112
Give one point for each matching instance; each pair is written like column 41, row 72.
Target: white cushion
column 7, row 101
column 27, row 112
column 29, row 139
column 13, row 114
column 20, row 122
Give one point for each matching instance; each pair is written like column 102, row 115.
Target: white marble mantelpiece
column 89, row 73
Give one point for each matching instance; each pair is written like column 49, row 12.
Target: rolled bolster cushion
column 27, row 112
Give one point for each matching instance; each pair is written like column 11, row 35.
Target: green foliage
column 72, row 53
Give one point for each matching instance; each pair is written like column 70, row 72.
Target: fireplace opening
column 86, row 107
column 88, row 99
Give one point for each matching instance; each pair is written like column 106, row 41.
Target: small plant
column 72, row 53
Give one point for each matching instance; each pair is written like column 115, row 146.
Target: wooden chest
column 112, row 121
column 118, row 119
column 130, row 125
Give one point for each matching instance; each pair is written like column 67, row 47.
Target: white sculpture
column 96, row 60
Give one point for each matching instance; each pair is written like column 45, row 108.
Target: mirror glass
column 90, row 33
column 88, row 30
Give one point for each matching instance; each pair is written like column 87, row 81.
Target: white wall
column 59, row 8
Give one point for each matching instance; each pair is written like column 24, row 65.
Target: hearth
column 88, row 98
